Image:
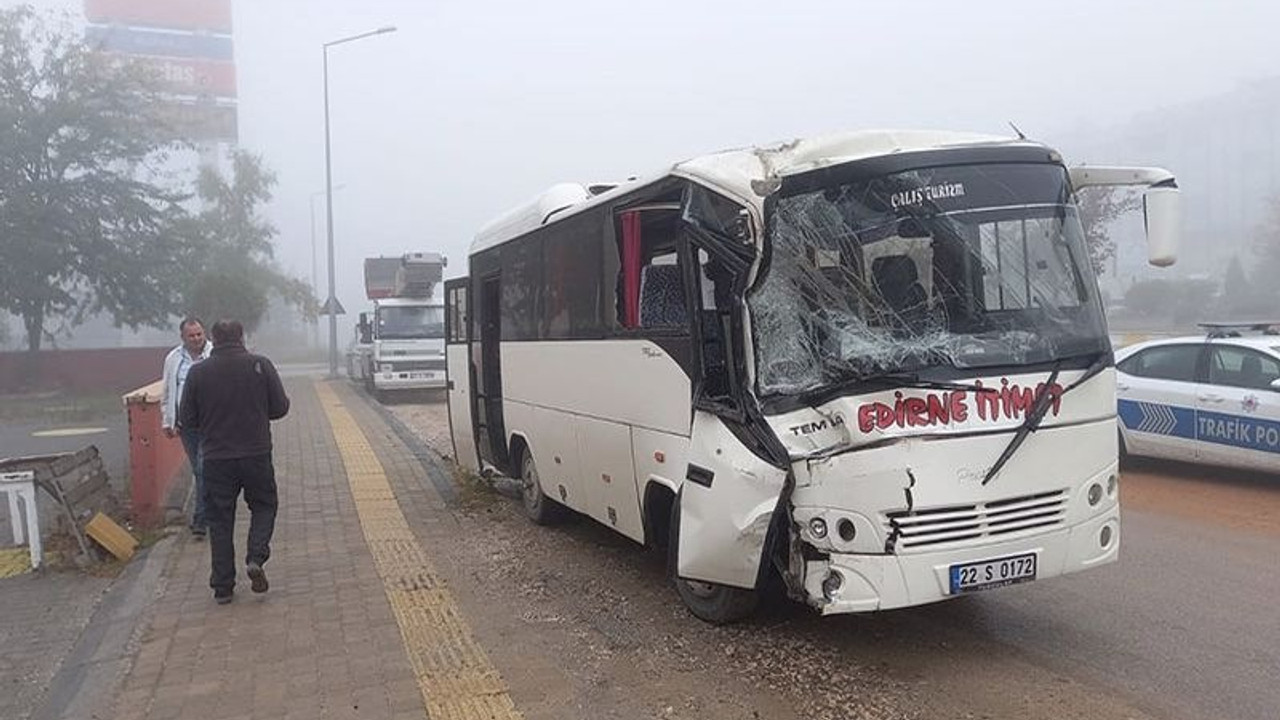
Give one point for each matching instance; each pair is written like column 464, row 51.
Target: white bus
column 873, row 364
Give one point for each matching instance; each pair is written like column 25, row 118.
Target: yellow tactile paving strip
column 457, row 680
column 14, row 561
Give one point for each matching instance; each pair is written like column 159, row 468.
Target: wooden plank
column 86, row 488
column 111, row 536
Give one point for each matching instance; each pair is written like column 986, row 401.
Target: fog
column 470, row 108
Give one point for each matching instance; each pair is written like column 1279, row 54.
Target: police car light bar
column 1232, row 329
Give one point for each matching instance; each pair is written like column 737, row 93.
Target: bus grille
column 998, row 519
column 416, row 365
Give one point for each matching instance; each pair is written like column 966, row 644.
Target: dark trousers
column 191, row 443
column 223, row 481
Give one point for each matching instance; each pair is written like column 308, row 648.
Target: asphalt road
column 109, row 432
column 1186, row 623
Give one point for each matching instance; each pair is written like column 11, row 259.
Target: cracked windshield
column 576, row 360
column 966, row 266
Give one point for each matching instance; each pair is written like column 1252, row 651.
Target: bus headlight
column 818, row 528
column 831, row 585
column 1095, row 494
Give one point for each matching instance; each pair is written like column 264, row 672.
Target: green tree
column 1239, row 296
column 1267, row 249
column 231, row 243
column 80, row 232
column 1182, row 300
column 1099, row 208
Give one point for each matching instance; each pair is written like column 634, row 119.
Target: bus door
column 736, row 468
column 458, row 372
column 490, row 433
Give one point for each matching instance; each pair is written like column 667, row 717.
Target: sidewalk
column 356, row 624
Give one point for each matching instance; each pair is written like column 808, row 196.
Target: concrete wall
column 81, row 371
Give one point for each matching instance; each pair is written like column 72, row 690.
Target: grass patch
column 474, row 492
column 60, row 409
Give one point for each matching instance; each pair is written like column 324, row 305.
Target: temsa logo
column 1009, row 401
column 835, row 420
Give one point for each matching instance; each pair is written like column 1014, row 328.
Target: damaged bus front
column 928, row 348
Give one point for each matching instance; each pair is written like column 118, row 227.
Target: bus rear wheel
column 540, row 508
column 709, row 602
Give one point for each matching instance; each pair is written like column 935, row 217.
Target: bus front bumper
column 847, row 583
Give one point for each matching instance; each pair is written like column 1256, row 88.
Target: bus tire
column 541, row 509
column 709, row 602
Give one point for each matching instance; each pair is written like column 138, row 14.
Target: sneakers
column 223, row 597
column 257, row 576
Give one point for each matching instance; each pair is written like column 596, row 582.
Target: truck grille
column 1009, row 517
column 417, row 365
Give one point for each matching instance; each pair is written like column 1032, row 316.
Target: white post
column 16, row 519
column 23, row 485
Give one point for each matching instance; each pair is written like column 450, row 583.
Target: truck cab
column 400, row 345
column 406, row 346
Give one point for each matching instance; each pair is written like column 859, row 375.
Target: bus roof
column 733, row 171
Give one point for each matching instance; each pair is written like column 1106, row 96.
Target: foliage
column 80, row 232
column 1241, row 298
column 1180, row 300
column 1099, row 208
column 1267, row 248
column 232, row 245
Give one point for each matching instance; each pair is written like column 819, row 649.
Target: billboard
column 136, row 41
column 188, row 45
column 209, row 15
column 186, row 76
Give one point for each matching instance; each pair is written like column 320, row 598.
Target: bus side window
column 651, row 284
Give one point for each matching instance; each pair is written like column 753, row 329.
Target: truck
column 399, row 346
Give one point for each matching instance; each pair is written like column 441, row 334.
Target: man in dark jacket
column 231, row 399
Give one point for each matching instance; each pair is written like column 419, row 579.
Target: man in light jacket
column 194, row 348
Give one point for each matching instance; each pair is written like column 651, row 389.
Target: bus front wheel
column 709, row 602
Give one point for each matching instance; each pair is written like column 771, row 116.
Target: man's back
column 232, row 398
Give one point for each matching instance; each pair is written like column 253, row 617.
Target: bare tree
column 1099, row 208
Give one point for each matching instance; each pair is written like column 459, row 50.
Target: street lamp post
column 332, row 302
column 315, row 282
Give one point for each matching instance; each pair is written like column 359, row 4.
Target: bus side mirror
column 1162, row 212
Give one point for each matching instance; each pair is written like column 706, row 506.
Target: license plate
column 423, row 376
column 987, row 574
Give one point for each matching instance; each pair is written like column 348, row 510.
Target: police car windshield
column 967, row 266
column 406, row 323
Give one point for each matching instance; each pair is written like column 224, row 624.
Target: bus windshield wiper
column 1040, row 407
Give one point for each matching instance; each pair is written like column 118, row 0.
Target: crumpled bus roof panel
column 734, row 170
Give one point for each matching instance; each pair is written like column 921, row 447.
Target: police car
column 1212, row 398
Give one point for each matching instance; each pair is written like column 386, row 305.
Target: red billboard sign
column 210, row 15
